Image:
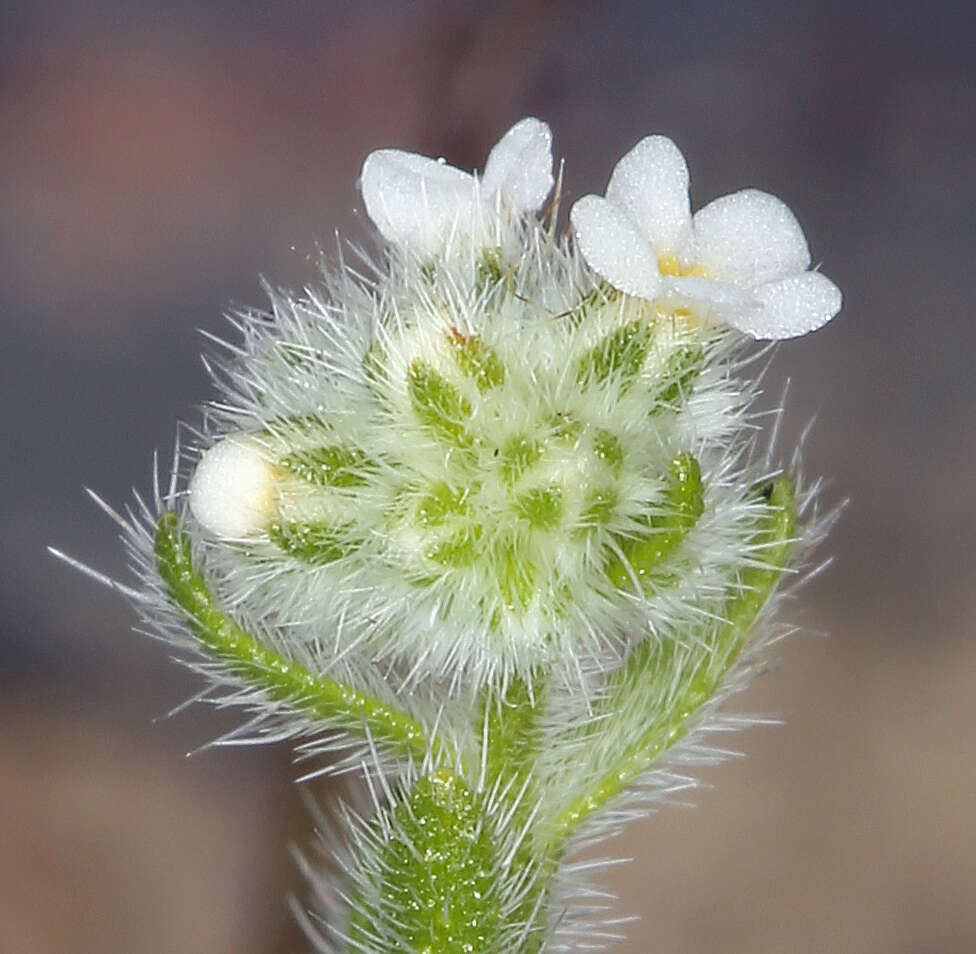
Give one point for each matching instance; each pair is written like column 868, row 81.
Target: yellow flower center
column 668, row 264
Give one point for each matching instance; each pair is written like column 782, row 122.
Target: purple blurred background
column 156, row 158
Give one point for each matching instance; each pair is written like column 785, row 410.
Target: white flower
column 420, row 203
column 232, row 492
column 742, row 257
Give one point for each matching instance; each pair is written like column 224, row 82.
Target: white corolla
column 741, row 259
column 422, row 204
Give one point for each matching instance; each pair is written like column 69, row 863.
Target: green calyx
column 620, row 356
column 439, row 405
column 683, row 366
column 643, row 555
column 542, row 507
column 312, row 543
column 490, row 270
column 334, row 466
column 477, row 360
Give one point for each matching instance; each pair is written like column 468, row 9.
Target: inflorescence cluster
column 486, row 513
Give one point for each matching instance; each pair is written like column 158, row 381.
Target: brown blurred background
column 156, row 157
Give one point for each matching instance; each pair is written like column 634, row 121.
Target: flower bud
column 232, row 493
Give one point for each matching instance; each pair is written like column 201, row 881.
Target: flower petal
column 613, row 247
column 415, row 201
column 720, row 296
column 651, row 184
column 519, row 167
column 792, row 306
column 749, row 237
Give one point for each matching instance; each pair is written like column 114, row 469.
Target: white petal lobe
column 232, row 490
column 749, row 237
column 706, row 295
column 614, row 248
column 415, row 201
column 651, row 184
column 519, row 167
column 792, row 307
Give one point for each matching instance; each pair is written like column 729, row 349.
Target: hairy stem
column 512, row 733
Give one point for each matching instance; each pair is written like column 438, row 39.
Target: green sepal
column 518, row 455
column 313, row 543
column 334, row 466
column 438, row 404
column 516, row 576
column 477, row 360
column 301, row 356
column 461, row 550
column 607, row 447
column 439, row 503
column 490, row 270
column 619, row 356
column 374, row 365
column 542, row 507
column 567, row 430
column 683, row 503
column 599, row 508
column 684, row 366
column 598, row 297
column 331, row 703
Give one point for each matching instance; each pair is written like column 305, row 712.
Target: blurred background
column 157, row 158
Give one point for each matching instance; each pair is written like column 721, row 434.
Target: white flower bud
column 232, row 492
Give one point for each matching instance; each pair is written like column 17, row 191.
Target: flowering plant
column 485, row 516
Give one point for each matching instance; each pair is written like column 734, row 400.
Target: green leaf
column 332, row 703
column 447, row 879
column 514, row 728
column 670, row 679
column 435, row 890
